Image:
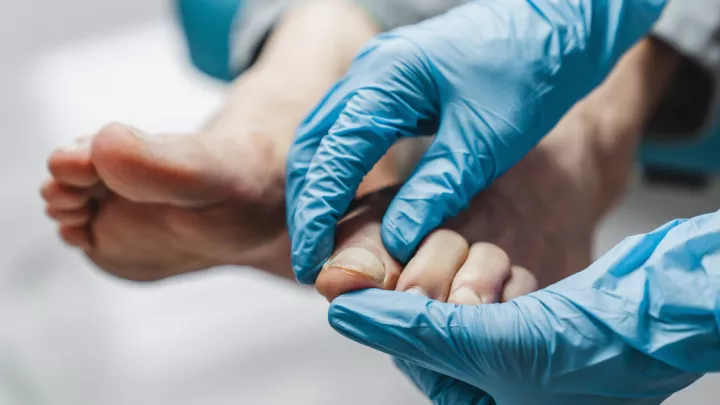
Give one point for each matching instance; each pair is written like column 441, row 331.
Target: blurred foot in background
column 146, row 207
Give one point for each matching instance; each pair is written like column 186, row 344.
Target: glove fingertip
column 305, row 277
column 347, row 307
column 309, row 250
column 394, row 240
column 306, row 271
column 342, row 318
column 409, row 219
column 359, row 315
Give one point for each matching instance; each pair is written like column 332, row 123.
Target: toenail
column 417, row 291
column 76, row 146
column 465, row 295
column 358, row 260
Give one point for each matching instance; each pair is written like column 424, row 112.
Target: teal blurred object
column 671, row 153
column 208, row 28
column 700, row 156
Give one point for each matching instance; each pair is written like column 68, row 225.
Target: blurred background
column 70, row 335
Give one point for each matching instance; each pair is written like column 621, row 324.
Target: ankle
column 318, row 38
column 623, row 105
column 309, row 50
column 613, row 145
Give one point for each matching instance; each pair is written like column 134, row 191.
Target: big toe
column 360, row 260
column 71, row 165
column 173, row 169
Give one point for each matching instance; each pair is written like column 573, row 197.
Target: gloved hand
column 638, row 325
column 490, row 78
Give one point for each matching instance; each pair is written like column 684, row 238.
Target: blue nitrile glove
column 491, row 78
column 638, row 325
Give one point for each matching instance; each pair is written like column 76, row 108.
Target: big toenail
column 357, row 260
column 465, row 295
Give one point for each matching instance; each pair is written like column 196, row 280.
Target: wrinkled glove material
column 489, row 78
column 638, row 325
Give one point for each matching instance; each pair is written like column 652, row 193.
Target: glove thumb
column 465, row 342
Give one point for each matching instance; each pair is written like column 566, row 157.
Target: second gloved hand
column 638, row 325
column 491, row 78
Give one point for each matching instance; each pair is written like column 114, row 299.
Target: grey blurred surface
column 71, row 336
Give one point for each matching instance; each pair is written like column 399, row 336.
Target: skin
column 216, row 196
column 534, row 226
column 149, row 207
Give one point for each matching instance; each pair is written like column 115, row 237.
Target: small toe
column 70, row 218
column 433, row 267
column 521, row 282
column 72, row 166
column 481, row 278
column 64, row 197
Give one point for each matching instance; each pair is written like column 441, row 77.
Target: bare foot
column 445, row 267
column 543, row 212
column 534, row 224
column 148, row 207
column 145, row 209
column 532, row 227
